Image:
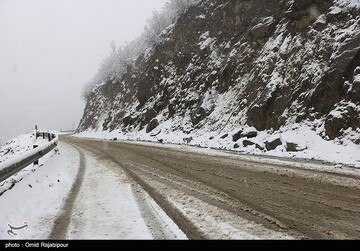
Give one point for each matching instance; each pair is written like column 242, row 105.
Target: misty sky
column 50, row 48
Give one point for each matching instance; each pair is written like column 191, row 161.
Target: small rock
column 250, row 135
column 211, row 138
column 30, row 186
column 248, row 143
column 338, row 166
column 237, row 136
column 292, row 147
column 236, row 146
column 259, row 147
column 160, row 140
column 224, row 136
column 188, row 140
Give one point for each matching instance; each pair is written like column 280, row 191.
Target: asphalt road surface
column 302, row 203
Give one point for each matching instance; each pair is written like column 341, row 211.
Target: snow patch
column 205, row 40
column 38, row 194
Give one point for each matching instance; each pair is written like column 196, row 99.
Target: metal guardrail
column 13, row 168
column 49, row 136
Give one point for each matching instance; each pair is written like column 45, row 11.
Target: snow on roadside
column 17, row 146
column 312, row 146
column 264, row 159
column 38, row 194
column 107, row 209
column 21, row 147
column 226, row 225
column 221, row 225
column 100, row 211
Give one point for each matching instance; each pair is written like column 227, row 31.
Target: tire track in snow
column 156, row 222
column 60, row 229
column 189, row 229
column 309, row 203
column 151, row 218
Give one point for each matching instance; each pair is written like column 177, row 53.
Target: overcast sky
column 50, row 48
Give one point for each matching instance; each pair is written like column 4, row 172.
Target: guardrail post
column 36, row 131
column 36, row 161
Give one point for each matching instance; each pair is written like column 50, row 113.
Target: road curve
column 304, row 204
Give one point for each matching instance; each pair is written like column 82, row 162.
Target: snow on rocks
column 299, row 141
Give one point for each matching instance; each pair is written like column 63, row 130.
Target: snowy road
column 105, row 204
column 229, row 196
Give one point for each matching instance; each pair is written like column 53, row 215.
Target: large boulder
column 251, row 134
column 237, row 136
column 198, row 116
column 347, row 117
column 152, row 125
column 263, row 28
column 272, row 145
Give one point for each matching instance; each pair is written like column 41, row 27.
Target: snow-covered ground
column 311, row 146
column 106, row 206
column 20, row 145
column 37, row 194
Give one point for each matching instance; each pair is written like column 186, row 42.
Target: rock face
column 227, row 64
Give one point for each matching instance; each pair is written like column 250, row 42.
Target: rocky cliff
column 236, row 68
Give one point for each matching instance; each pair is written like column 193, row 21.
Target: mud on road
column 221, row 197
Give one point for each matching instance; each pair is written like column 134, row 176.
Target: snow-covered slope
column 270, row 77
column 21, row 147
column 17, row 146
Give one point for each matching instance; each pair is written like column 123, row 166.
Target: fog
column 50, row 48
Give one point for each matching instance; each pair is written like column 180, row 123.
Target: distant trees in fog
column 115, row 65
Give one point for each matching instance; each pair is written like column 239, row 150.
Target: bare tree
column 86, row 91
column 115, row 65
